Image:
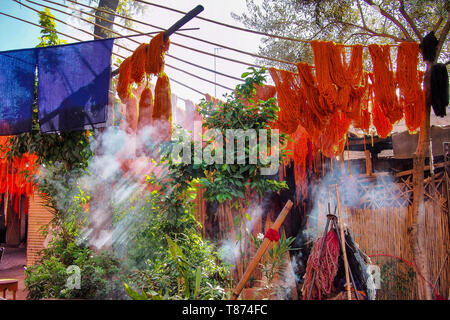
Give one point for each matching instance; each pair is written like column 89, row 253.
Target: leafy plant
column 272, row 262
column 100, row 273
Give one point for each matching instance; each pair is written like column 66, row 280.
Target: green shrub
column 101, row 277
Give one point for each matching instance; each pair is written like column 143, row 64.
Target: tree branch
column 374, row 33
column 391, row 18
column 361, row 13
column 438, row 24
column 443, row 35
column 409, row 20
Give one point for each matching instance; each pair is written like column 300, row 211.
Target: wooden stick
column 261, row 250
column 344, row 252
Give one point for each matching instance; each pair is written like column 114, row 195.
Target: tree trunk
column 417, row 229
column 107, row 5
column 101, row 210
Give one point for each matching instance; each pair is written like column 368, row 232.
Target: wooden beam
column 436, row 165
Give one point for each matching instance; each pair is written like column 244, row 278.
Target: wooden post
column 416, row 230
column 261, row 250
column 344, row 251
column 369, row 170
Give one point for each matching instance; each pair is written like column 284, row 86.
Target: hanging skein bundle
column 145, row 108
column 138, row 59
column 124, row 80
column 332, row 139
column 289, row 98
column 299, row 156
column 325, row 267
column 411, row 93
column 380, row 121
column 384, row 83
column 362, row 120
column 312, row 117
column 162, row 110
column 154, row 62
column 439, row 89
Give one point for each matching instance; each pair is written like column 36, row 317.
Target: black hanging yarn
column 439, row 89
column 429, row 46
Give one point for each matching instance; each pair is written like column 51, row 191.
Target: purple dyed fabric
column 73, row 84
column 17, row 75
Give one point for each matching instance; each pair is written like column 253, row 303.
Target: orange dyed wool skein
column 124, row 81
column 154, row 62
column 138, row 60
column 411, row 93
column 384, row 83
column 145, row 108
column 289, row 98
column 162, row 110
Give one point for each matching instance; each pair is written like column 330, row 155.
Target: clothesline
column 160, row 28
column 79, row 40
column 125, row 48
column 232, row 26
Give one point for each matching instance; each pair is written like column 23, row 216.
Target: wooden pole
column 344, row 252
column 261, row 250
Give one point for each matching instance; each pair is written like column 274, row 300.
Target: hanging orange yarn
column 138, row 59
column 312, row 117
column 299, row 155
column 15, row 175
column 411, row 93
column 154, row 62
column 131, row 114
column 384, row 83
column 341, row 85
column 333, row 137
column 289, row 97
column 145, row 108
column 124, row 81
column 361, row 120
column 380, row 121
column 265, row 92
column 325, row 55
column 162, row 110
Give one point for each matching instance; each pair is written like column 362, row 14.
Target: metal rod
column 188, row 17
column 175, row 27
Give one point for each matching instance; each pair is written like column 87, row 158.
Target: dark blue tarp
column 17, row 76
column 73, row 84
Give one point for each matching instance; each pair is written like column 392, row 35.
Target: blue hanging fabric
column 17, row 76
column 73, row 84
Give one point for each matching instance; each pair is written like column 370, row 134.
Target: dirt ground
column 12, row 267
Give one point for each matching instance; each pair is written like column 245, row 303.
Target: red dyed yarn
column 325, row 268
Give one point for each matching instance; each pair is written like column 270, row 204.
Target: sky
column 22, row 35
